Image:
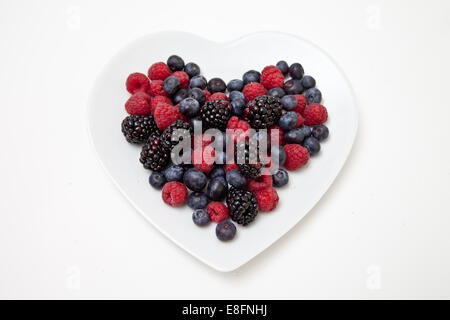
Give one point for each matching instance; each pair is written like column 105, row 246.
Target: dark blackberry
column 215, row 114
column 242, row 205
column 264, row 111
column 171, row 136
column 247, row 159
column 154, row 155
column 137, row 129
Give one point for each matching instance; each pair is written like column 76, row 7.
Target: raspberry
column 159, row 71
column 138, row 104
column 315, row 114
column 174, row 193
column 253, row 90
column 156, row 101
column 281, row 141
column 267, row 199
column 231, row 166
column 165, row 115
column 271, row 77
column 207, row 156
column 240, row 126
column 217, row 211
column 156, row 89
column 300, row 120
column 183, row 77
column 260, row 183
column 207, row 94
column 301, row 103
column 137, row 82
column 217, row 95
column 296, row 156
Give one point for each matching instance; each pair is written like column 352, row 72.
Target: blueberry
column 157, row 180
column 288, row 121
column 294, row 136
column 235, row 85
column 180, row 95
column 293, row 86
column 217, row 171
column 216, row 85
column 277, row 92
column 308, row 82
column 192, row 69
column 200, row 217
column 217, row 189
column 312, row 144
column 289, row 102
column 320, row 132
column 171, row 84
column 194, row 179
column 198, row 95
column 198, row 82
column 225, row 230
column 189, row 107
column 278, row 155
column 174, row 173
column 236, row 95
column 236, row 178
column 175, row 63
column 251, row 76
column 306, row 130
column 262, row 138
column 194, row 122
column 197, row 200
column 313, row 95
column 296, row 71
column 238, row 106
column 283, row 67
column 280, row 178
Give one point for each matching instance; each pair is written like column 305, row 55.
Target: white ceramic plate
column 227, row 61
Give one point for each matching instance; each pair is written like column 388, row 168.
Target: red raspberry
column 156, row 89
column 240, row 128
column 207, row 94
column 159, row 71
column 217, row 211
column 174, row 193
column 165, row 115
column 137, row 82
column 315, row 114
column 296, row 156
column 156, row 101
column 300, row 120
column 230, row 166
column 271, row 77
column 218, row 96
column 260, row 183
column 267, row 199
column 183, row 77
column 301, row 103
column 281, row 141
column 253, row 90
column 139, row 104
column 207, row 156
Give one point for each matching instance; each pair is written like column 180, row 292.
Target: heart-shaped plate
column 227, row 61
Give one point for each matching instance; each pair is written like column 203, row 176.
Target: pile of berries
column 174, row 96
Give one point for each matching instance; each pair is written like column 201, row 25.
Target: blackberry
column 171, row 136
column 247, row 159
column 137, row 129
column 215, row 114
column 264, row 111
column 154, row 155
column 242, row 205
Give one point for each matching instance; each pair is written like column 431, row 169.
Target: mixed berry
column 273, row 120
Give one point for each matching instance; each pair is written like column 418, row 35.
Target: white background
column 381, row 231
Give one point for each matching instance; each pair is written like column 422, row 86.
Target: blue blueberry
column 200, row 217
column 198, row 82
column 174, row 173
column 216, row 85
column 235, row 85
column 289, row 102
column 320, row 132
column 198, row 95
column 189, row 107
column 225, row 230
column 313, row 95
column 179, row 96
column 197, row 200
column 175, row 63
column 277, row 92
column 251, row 76
column 217, row 189
column 157, row 180
column 306, row 130
column 194, row 179
column 194, row 122
column 236, row 178
column 262, row 138
column 236, row 95
column 312, row 145
column 171, row 85
column 294, row 136
column 217, row 171
column 278, row 155
column 288, row 121
column 293, row 86
column 192, row 69
column 308, row 82
column 280, row 178
column 283, row 67
column 238, row 106
column 296, row 71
